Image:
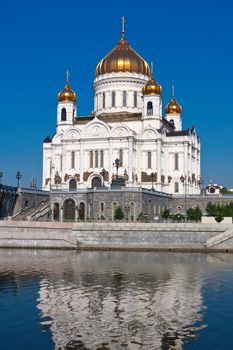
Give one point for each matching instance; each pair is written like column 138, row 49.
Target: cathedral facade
column 128, row 135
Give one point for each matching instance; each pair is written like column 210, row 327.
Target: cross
column 151, row 67
column 67, row 76
column 123, row 26
column 173, row 92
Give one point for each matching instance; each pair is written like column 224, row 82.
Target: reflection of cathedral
column 149, row 305
column 127, row 124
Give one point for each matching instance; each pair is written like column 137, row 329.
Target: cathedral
column 129, row 136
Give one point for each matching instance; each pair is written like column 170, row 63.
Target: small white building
column 127, row 125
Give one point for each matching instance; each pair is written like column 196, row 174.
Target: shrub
column 178, row 217
column 118, row 215
column 166, row 214
column 219, row 218
column 140, row 217
column 194, row 214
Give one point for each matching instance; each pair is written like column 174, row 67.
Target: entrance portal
column 69, row 210
column 81, row 211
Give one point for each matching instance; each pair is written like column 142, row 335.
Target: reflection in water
column 109, row 300
column 124, row 301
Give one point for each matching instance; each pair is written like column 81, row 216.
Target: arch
column 101, row 210
column 69, row 210
column 149, row 108
column 212, row 189
column 81, row 211
column 63, row 114
column 56, row 212
column 176, row 187
column 114, row 206
column 72, row 185
column 96, row 182
column 132, row 211
column 171, row 121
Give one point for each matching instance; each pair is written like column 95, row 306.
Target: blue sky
column 190, row 43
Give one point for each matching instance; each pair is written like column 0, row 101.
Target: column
column 159, row 164
column 130, row 160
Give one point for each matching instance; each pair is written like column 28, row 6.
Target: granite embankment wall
column 116, row 236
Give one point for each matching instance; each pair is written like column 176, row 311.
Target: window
column 101, row 159
column 72, row 185
column 91, row 159
column 124, row 99
column 149, row 160
column 172, row 122
column 149, row 108
column 121, row 157
column 103, row 99
column 63, row 115
column 96, row 159
column 176, row 161
column 176, row 187
column 72, row 160
column 113, row 98
column 135, row 99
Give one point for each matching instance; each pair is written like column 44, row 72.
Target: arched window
column 72, row 160
column 101, row 158
column 63, row 115
column 176, row 161
column 96, row 159
column 124, row 98
column 81, row 212
column 113, row 98
column 121, row 156
column 149, row 159
column 91, row 159
column 132, row 210
column 176, row 187
column 72, row 185
column 101, row 210
column 114, row 206
column 96, row 182
column 172, row 122
column 103, row 100
column 212, row 190
column 135, row 99
column 56, row 212
column 149, row 108
column 69, row 210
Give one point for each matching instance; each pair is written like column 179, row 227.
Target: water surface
column 115, row 300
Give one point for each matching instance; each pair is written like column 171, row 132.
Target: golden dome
column 67, row 94
column 123, row 58
column 173, row 107
column 152, row 88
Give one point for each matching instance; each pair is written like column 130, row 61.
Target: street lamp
column 1, row 175
column 33, row 186
column 117, row 164
column 51, row 167
column 18, row 177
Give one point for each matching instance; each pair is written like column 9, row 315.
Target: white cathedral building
column 126, row 136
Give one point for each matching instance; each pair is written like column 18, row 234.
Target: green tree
column 194, row 214
column 118, row 215
column 166, row 214
column 178, row 217
column 211, row 209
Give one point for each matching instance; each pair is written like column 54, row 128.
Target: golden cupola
column 152, row 88
column 173, row 107
column 123, row 58
column 67, row 94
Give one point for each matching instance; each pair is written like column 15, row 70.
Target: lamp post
column 152, row 181
column 33, row 186
column 117, row 164
column 18, row 177
column 51, row 167
column 1, row 175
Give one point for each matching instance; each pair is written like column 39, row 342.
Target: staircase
column 219, row 238
column 40, row 212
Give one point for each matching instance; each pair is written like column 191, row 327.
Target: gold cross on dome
column 173, row 91
column 123, row 27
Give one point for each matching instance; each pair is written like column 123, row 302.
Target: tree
column 166, row 214
column 211, row 209
column 118, row 215
column 194, row 214
column 178, row 217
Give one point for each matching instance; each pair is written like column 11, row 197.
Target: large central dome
column 123, row 58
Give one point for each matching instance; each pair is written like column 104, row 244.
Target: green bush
column 218, row 209
column 118, row 215
column 219, row 218
column 194, row 214
column 166, row 214
column 178, row 217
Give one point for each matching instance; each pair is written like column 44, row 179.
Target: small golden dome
column 152, row 88
column 67, row 94
column 173, row 106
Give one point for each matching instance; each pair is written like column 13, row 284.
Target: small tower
column 67, row 107
column 173, row 112
column 152, row 102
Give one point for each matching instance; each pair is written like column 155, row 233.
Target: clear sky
column 190, row 43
